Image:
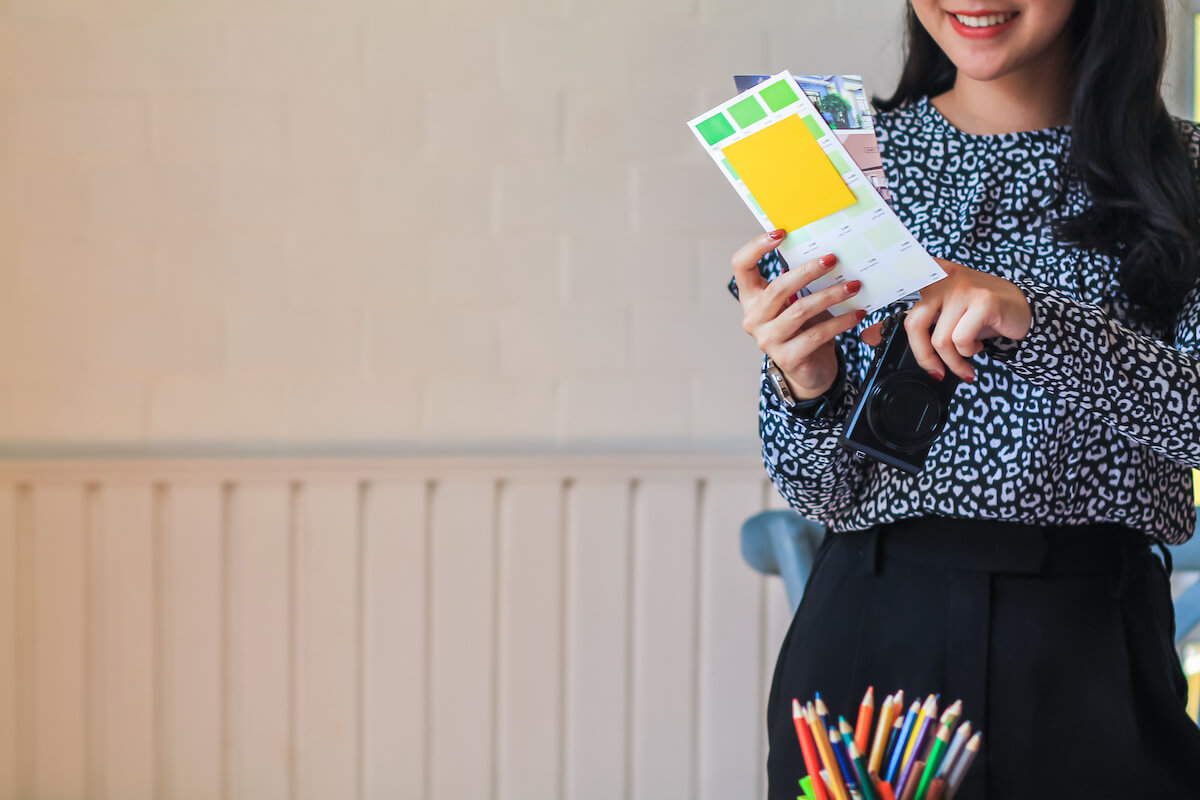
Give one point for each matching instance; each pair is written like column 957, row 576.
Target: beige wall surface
column 441, row 224
column 361, row 223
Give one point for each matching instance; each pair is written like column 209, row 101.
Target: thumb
column 870, row 335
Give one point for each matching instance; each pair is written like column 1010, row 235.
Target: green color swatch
column 866, row 197
column 851, row 250
column 729, row 168
column 797, row 236
column 813, row 128
column 826, row 224
column 778, row 95
column 715, row 128
column 884, row 235
column 839, row 163
column 747, row 112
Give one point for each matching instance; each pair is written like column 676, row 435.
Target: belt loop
column 871, row 550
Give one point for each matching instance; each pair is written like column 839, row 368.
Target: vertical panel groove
column 94, row 623
column 431, row 489
column 158, row 533
column 26, row 688
column 564, row 559
column 362, row 496
column 499, row 489
column 294, row 494
column 228, row 491
column 700, row 498
column 631, row 688
column 763, row 627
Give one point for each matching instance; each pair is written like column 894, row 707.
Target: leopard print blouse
column 1092, row 417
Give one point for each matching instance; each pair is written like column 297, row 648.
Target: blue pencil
column 898, row 752
column 843, row 759
column 890, row 747
column 917, row 743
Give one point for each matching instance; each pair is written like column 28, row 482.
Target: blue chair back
column 1187, row 605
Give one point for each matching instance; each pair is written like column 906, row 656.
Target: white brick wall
column 420, row 222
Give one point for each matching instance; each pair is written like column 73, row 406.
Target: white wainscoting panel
column 534, row 628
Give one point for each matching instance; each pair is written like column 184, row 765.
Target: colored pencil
column 956, row 745
column 808, row 749
column 959, row 771
column 893, row 743
column 836, row 785
column 885, row 791
column 912, row 751
column 862, row 727
column 940, row 743
column 864, row 778
column 952, row 715
column 847, row 733
column 843, row 759
column 822, row 712
column 910, row 791
column 917, row 736
column 898, row 750
column 937, row 790
column 883, row 727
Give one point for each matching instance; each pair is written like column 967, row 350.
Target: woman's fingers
column 917, row 324
column 802, row 346
column 761, row 308
column 805, row 314
column 745, row 262
column 944, row 339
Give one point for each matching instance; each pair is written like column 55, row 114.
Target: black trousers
column 1059, row 642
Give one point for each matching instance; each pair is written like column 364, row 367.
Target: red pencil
column 808, row 750
column 862, row 728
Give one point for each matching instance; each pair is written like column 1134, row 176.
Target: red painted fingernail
column 860, row 315
column 937, row 376
column 828, row 260
column 853, row 286
column 777, row 234
column 790, row 300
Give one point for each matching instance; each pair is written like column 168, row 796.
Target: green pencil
column 866, row 785
column 940, row 743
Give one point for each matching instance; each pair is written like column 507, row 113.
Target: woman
column 1028, row 149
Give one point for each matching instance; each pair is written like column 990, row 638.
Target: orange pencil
column 885, row 790
column 887, row 715
column 837, row 785
column 808, row 749
column 862, row 728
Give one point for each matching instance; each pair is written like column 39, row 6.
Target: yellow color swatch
column 788, row 173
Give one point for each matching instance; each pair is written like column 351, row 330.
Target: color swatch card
column 790, row 169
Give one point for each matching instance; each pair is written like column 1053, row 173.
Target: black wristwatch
column 823, row 406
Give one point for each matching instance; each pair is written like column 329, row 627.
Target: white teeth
column 986, row 21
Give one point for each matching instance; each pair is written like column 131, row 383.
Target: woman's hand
column 953, row 317
column 797, row 333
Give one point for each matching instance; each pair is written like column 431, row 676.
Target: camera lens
column 905, row 412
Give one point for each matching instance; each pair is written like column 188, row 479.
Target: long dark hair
column 1125, row 147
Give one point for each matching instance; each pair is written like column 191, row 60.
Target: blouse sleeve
column 1138, row 386
column 801, row 452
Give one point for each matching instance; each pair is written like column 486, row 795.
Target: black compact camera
column 901, row 408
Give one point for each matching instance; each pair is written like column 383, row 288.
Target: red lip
column 979, row 33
